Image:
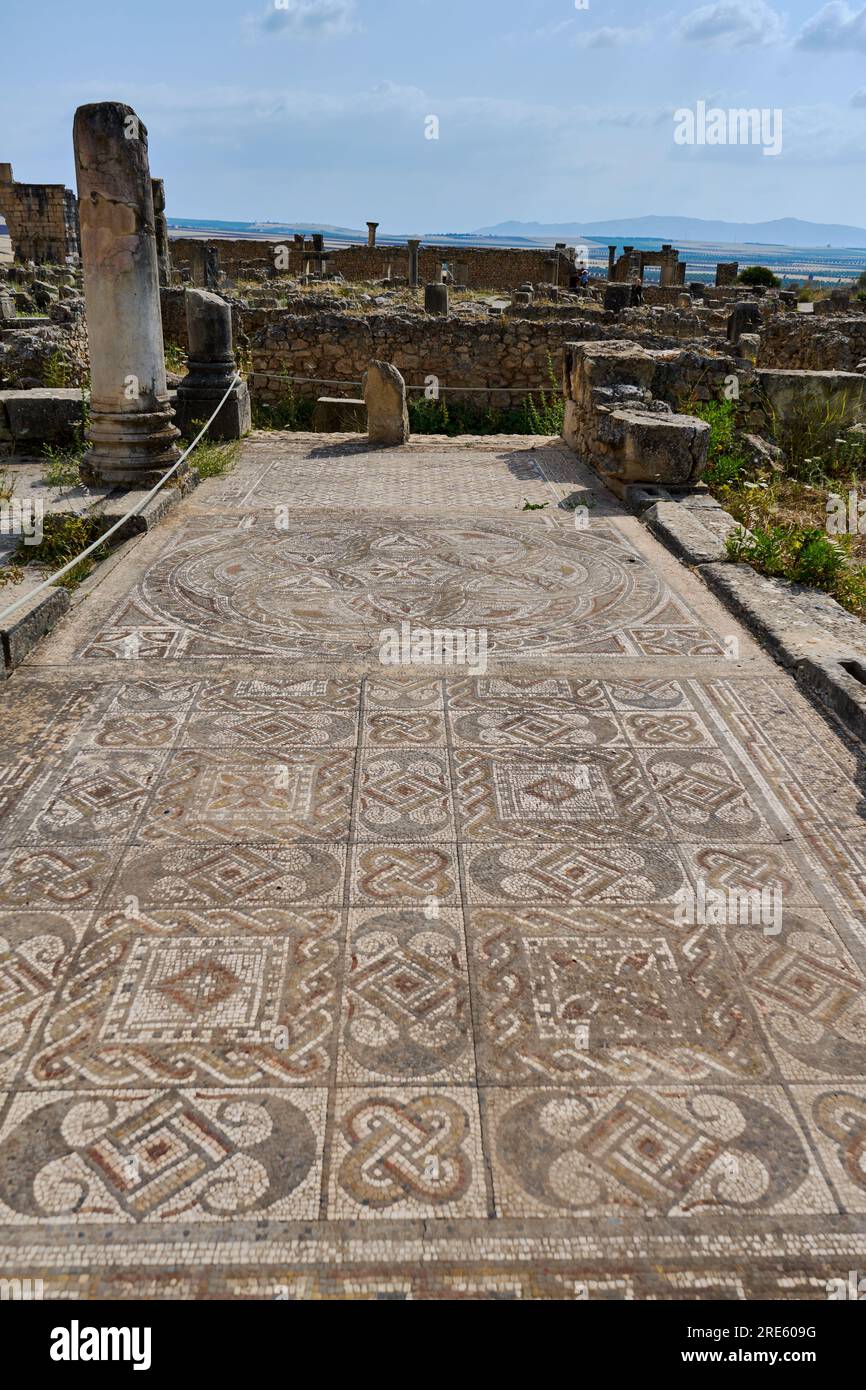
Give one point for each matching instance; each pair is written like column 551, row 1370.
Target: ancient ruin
column 42, row 219
column 212, row 372
column 431, row 831
column 131, row 433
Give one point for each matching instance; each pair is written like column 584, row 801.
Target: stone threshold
column 805, row 630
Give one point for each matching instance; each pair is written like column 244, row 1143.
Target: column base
column 130, row 449
column 196, row 405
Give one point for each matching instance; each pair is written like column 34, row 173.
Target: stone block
column 31, row 624
column 684, row 534
column 745, row 317
column 666, row 449
column 617, row 363
column 194, row 407
column 436, row 299
column 334, row 415
column 797, row 394
column 385, row 398
column 47, row 415
column 622, row 296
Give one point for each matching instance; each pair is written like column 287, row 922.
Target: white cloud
column 859, row 97
column 611, row 37
column 836, row 26
column 733, row 24
column 309, row 19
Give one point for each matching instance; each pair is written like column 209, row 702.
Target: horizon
column 321, row 110
column 596, row 238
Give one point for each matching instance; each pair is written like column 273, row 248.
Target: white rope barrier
column 52, row 580
column 323, row 381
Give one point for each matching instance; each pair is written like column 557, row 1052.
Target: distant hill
column 783, row 231
column 213, row 227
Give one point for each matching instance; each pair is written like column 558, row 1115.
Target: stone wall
column 681, row 377
column 174, row 329
column 476, row 267
column 42, row 219
column 615, row 421
column 834, row 342
column 58, row 346
column 506, row 356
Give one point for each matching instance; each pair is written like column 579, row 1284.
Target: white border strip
column 52, row 580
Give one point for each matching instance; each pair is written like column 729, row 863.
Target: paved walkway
column 323, row 977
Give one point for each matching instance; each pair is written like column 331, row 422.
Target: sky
column 319, row 110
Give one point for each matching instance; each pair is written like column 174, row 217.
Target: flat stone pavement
column 329, row 978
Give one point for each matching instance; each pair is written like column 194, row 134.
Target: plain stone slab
column 118, row 504
column 640, row 496
column 26, row 628
column 45, row 415
column 336, row 415
column 682, row 532
column 794, row 622
column 806, row 631
column 836, row 685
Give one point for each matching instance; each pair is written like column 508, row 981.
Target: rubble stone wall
column 483, row 267
column 42, row 219
column 831, row 343
column 505, row 356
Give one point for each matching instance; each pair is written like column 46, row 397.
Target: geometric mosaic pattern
column 327, row 590
column 609, row 994
column 349, row 980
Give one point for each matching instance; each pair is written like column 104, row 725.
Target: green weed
column 63, row 538
column 804, row 555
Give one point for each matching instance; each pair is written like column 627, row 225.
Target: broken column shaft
column 414, row 271
column 211, row 369
column 131, row 433
column 160, row 224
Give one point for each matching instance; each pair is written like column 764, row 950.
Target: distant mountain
column 783, row 231
column 213, row 227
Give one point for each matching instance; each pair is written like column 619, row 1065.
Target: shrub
column 727, row 458
column 175, row 358
column 55, row 373
column 290, row 413
column 63, row 466
column 804, row 555
column 758, row 275
column 211, row 458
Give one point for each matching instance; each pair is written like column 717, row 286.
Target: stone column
column 211, row 368
column 414, row 276
column 204, row 264
column 163, row 254
column 131, row 433
column 611, row 261
column 745, row 317
column 436, row 299
column 669, row 269
column 371, row 233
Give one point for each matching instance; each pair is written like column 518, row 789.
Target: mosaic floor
column 325, row 978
